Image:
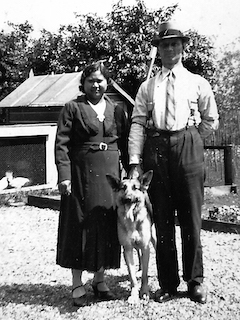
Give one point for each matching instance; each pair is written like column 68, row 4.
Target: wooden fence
column 222, row 153
column 228, row 131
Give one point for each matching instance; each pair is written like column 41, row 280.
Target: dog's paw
column 145, row 298
column 133, row 300
column 144, row 294
column 134, row 297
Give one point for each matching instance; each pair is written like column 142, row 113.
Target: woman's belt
column 98, row 146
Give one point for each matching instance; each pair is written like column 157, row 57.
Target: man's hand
column 135, row 171
column 64, row 187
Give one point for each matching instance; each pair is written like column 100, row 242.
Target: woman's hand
column 64, row 187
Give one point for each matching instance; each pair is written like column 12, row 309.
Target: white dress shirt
column 194, row 101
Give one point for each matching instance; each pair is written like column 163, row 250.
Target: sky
column 216, row 18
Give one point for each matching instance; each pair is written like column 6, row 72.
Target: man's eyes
column 167, row 45
column 93, row 81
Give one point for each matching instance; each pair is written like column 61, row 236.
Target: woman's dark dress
column 87, row 234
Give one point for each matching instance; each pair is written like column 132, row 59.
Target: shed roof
column 49, row 90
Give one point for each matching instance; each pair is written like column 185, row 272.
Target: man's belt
column 158, row 132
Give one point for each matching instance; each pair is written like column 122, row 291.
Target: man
column 173, row 112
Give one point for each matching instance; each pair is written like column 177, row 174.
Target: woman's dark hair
column 92, row 68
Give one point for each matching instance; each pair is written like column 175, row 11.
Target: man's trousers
column 177, row 160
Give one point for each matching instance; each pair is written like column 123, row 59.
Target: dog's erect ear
column 146, row 179
column 113, row 181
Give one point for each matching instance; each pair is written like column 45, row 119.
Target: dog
column 135, row 227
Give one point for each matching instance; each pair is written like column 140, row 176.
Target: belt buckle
column 103, row 146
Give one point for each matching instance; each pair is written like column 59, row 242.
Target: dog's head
column 130, row 191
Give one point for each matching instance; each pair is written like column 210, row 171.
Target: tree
column 131, row 30
column 228, row 80
column 125, row 35
column 15, row 48
column 45, row 53
column 227, row 93
column 200, row 56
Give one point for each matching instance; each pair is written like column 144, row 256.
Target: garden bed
column 44, row 201
column 219, row 226
column 221, row 209
column 220, row 213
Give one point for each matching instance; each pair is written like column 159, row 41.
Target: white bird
column 17, row 182
column 3, row 183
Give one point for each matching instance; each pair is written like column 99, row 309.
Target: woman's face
column 94, row 86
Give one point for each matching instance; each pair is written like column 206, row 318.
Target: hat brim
column 155, row 42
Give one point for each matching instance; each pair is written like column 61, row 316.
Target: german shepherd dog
column 135, row 227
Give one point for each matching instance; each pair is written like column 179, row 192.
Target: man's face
column 170, row 51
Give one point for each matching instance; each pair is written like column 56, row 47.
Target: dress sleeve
column 63, row 143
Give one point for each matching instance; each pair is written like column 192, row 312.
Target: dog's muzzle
column 129, row 200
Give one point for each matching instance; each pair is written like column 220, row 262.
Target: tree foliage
column 131, row 31
column 227, row 93
column 200, row 57
column 125, row 35
column 45, row 53
column 15, row 50
column 228, row 80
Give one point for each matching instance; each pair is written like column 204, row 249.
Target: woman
column 91, row 131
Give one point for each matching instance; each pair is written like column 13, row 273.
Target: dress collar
column 99, row 108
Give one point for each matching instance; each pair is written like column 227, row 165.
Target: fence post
column 228, row 165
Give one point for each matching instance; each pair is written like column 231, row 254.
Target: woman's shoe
column 80, row 301
column 103, row 295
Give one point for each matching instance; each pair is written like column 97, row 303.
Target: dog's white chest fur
column 134, row 225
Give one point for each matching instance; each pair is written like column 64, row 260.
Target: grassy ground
column 32, row 286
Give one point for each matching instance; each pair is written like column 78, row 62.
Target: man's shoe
column 197, row 293
column 164, row 296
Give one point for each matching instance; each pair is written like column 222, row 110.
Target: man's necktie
column 170, row 102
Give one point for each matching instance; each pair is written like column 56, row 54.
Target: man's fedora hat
column 168, row 30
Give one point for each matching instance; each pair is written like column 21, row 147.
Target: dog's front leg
column 128, row 255
column 153, row 236
column 144, row 292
